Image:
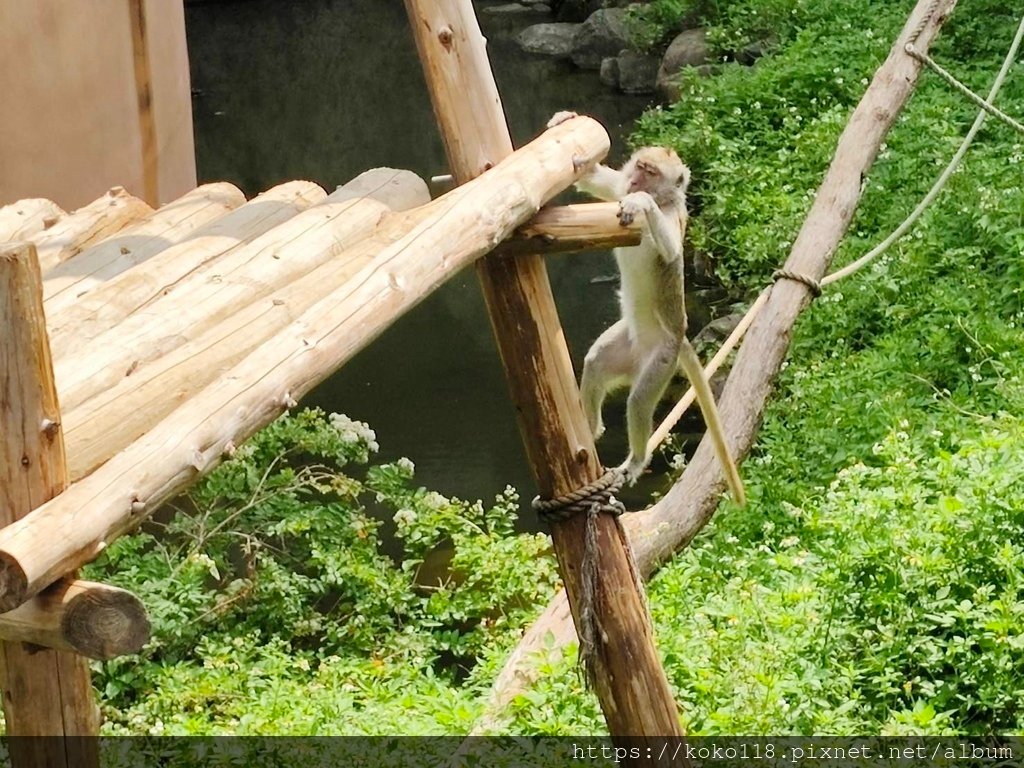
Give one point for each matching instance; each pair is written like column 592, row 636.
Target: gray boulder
column 688, row 49
column 637, row 72
column 554, row 39
column 603, row 34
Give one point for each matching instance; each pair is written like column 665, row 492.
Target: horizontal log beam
column 94, row 620
column 568, row 228
column 462, row 226
column 26, row 218
column 90, row 224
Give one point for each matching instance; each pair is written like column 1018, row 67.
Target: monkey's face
column 654, row 170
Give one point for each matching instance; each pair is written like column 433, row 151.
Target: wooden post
column 629, row 680
column 45, row 692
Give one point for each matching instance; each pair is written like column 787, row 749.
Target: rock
column 717, row 331
column 553, row 39
column 751, row 52
column 603, row 34
column 636, row 72
column 398, row 189
column 575, row 10
column 610, row 71
column 688, row 49
column 507, row 9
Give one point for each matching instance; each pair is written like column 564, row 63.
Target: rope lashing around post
column 593, row 499
column 810, row 282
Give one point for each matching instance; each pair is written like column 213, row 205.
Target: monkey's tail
column 695, row 373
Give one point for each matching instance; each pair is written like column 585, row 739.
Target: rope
column 601, row 492
column 924, row 58
column 593, row 499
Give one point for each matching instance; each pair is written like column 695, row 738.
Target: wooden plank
column 45, row 692
column 100, row 219
column 212, row 294
column 73, row 320
column 113, row 417
column 172, row 223
column 569, row 228
column 461, row 226
column 628, row 678
column 25, row 218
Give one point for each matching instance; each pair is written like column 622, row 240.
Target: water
column 323, row 90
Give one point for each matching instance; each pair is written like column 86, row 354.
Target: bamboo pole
column 25, row 218
column 75, row 320
column 100, row 219
column 95, row 620
column 45, row 692
column 628, row 677
column 671, row 523
column 172, row 223
column 460, row 227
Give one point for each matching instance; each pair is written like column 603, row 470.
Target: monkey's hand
column 634, row 204
column 560, row 117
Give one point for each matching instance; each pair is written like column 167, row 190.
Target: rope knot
column 595, row 497
column 810, row 282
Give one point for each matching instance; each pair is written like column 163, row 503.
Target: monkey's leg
column 695, row 373
column 649, row 385
column 608, row 364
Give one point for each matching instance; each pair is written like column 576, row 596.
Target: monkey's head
column 657, row 171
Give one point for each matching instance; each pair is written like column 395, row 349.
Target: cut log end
column 105, row 624
column 13, row 583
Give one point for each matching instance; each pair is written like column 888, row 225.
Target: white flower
column 404, row 516
column 406, row 465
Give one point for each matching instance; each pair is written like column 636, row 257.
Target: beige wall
column 70, row 95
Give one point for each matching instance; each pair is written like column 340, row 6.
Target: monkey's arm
column 665, row 227
column 604, row 183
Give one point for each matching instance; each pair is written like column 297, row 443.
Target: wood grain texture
column 74, row 318
column 45, row 692
column 25, row 218
column 100, row 219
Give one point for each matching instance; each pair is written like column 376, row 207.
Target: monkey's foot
column 597, row 432
column 632, row 469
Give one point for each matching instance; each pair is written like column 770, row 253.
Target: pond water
column 323, row 90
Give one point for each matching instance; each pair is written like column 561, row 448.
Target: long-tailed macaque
column 648, row 345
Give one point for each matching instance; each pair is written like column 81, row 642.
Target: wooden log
column 458, row 228
column 213, row 293
column 45, row 692
column 172, row 223
column 398, row 189
column 75, row 320
column 95, row 620
column 568, row 228
column 100, row 219
column 628, row 677
column 25, row 218
column 671, row 523
column 115, row 416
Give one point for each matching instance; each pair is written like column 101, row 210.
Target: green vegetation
column 875, row 581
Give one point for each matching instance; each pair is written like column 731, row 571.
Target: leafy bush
column 275, row 611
